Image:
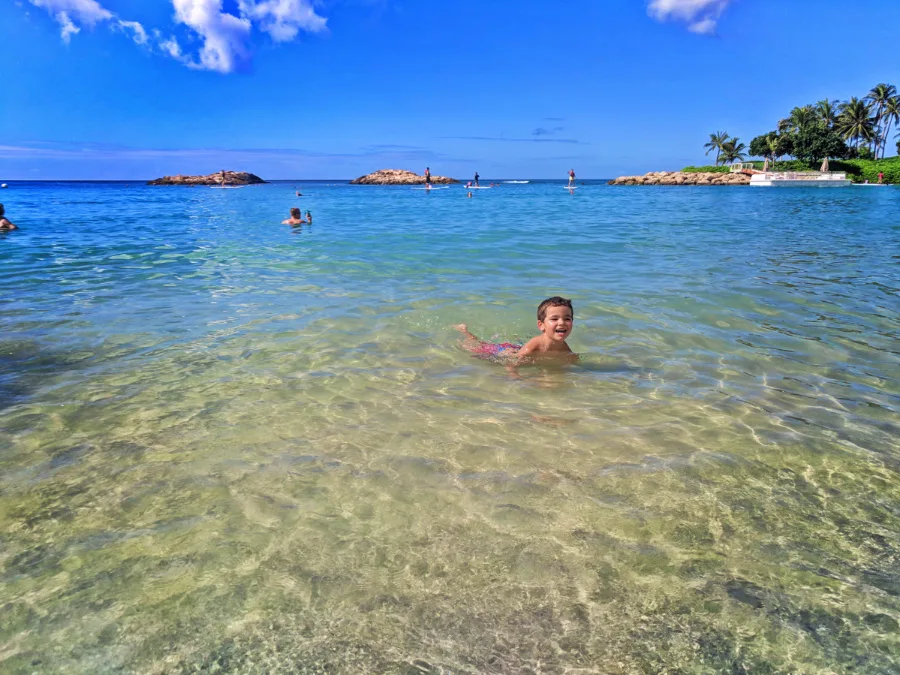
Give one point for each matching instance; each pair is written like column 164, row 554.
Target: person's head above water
column 296, row 217
column 4, row 223
column 555, row 301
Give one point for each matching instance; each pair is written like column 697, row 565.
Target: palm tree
column 799, row 119
column 855, row 121
column 733, row 151
column 716, row 141
column 827, row 112
column 878, row 99
column 891, row 115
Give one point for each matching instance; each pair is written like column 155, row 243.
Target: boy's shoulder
column 538, row 344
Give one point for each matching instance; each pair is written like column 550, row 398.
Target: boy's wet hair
column 295, row 212
column 555, row 301
column 2, row 211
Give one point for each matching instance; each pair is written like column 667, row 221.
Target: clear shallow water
column 227, row 446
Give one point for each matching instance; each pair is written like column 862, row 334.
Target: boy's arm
column 524, row 354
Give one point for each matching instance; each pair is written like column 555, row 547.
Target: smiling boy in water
column 555, row 318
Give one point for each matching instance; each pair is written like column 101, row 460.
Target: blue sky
column 115, row 89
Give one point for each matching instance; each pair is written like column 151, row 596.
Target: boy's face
column 557, row 323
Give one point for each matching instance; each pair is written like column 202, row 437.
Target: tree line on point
column 855, row 129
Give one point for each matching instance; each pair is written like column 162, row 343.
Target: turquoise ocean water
column 230, row 446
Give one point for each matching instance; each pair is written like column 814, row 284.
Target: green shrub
column 794, row 165
column 705, row 169
column 857, row 170
column 861, row 170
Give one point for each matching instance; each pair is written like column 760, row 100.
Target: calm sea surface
column 230, row 446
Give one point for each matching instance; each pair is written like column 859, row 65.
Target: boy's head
column 295, row 213
column 555, row 301
column 2, row 211
column 555, row 318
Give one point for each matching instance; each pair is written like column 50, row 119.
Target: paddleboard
column 571, row 187
column 443, row 187
column 517, row 182
column 227, row 187
column 478, row 187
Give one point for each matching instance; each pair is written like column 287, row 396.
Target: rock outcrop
column 231, row 178
column 398, row 177
column 682, row 178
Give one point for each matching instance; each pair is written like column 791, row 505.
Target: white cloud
column 283, row 19
column 70, row 13
column 139, row 35
column 73, row 14
column 701, row 16
column 224, row 35
column 68, row 28
column 83, row 11
column 170, row 46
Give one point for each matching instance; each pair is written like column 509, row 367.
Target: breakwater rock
column 231, row 178
column 398, row 177
column 682, row 178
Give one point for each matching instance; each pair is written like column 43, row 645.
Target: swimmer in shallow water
column 4, row 222
column 555, row 318
column 295, row 219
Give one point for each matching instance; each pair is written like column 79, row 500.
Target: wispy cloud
column 541, row 131
column 225, row 38
column 701, row 16
column 503, row 139
column 138, row 34
column 283, row 19
column 104, row 151
column 71, row 14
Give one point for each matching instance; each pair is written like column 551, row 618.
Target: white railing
column 803, row 175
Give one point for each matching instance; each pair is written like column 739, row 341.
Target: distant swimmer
column 295, row 219
column 469, row 195
column 297, row 192
column 427, row 178
column 476, row 179
column 571, row 177
column 4, row 223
